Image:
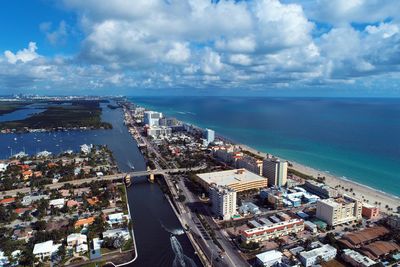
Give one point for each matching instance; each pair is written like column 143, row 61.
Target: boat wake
column 130, row 165
column 180, row 260
column 177, row 231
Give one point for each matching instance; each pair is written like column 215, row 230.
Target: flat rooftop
column 230, row 177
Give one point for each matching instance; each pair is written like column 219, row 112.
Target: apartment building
column 223, row 201
column 339, row 210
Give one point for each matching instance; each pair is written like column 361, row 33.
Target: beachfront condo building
column 152, row 118
column 159, row 131
column 239, row 180
column 276, row 171
column 339, row 210
column 223, row 201
column 209, row 135
column 249, row 163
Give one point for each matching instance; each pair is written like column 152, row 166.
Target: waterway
column 159, row 237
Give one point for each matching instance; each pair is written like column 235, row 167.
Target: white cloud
column 178, row 53
column 198, row 43
column 24, row 55
column 211, row 62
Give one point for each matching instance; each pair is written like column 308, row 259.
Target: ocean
column 353, row 138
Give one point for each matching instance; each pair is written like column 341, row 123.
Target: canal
column 159, row 236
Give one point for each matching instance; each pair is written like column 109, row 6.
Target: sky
column 201, row 47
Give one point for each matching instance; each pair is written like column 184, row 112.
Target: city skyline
column 269, row 47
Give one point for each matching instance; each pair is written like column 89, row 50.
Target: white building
column 57, row 203
column 276, row 171
column 45, row 249
column 3, row 167
column 43, row 154
column 79, row 241
column 152, row 118
column 209, row 136
column 4, row 261
column 28, row 200
column 356, row 259
column 249, row 207
column 86, row 149
column 269, row 258
column 117, row 218
column 312, row 227
column 114, row 233
column 223, row 201
column 317, row 255
column 339, row 210
column 157, row 132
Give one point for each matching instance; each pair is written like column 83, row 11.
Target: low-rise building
column 45, row 249
column 269, row 258
column 317, row 255
column 115, row 233
column 248, row 207
column 358, row 238
column 79, row 241
column 117, row 218
column 320, row 189
column 57, row 203
column 370, row 212
column 84, row 222
column 312, row 227
column 339, row 210
column 274, row 230
column 28, row 200
column 356, row 259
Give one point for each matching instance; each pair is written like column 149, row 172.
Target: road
column 113, row 177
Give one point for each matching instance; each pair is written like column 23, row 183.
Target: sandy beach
column 386, row 202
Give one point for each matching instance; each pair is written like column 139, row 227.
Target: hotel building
column 152, row 118
column 223, row 201
column 276, row 171
column 339, row 210
column 238, row 180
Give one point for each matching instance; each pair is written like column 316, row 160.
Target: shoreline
column 361, row 191
column 364, row 192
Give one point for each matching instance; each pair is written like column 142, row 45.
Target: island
column 59, row 115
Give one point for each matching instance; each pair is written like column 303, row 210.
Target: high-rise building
column 223, row 201
column 152, row 118
column 209, row 135
column 250, row 163
column 339, row 210
column 276, row 171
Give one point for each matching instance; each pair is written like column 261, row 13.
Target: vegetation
column 300, row 174
column 78, row 114
column 8, row 107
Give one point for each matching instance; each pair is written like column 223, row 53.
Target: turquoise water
column 355, row 138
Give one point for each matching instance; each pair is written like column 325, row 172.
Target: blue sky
column 201, row 47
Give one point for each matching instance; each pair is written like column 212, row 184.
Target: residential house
column 45, row 249
column 79, row 241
